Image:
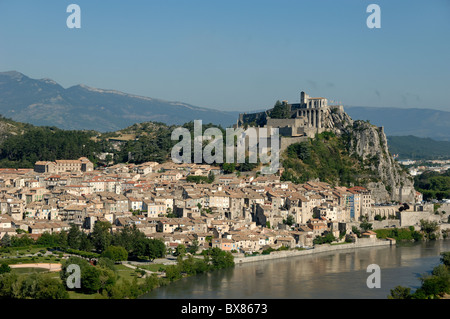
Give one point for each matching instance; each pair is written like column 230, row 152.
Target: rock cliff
column 369, row 143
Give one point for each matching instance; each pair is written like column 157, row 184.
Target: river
column 342, row 274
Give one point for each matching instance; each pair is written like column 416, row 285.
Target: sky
column 237, row 55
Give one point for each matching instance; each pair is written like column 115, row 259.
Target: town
column 243, row 214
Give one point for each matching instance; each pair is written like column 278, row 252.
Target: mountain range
column 44, row 102
column 420, row 122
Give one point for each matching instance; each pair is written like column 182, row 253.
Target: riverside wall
column 361, row 243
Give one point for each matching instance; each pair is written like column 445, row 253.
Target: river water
column 342, row 274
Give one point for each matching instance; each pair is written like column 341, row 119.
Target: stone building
column 60, row 166
column 306, row 118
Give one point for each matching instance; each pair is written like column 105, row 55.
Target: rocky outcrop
column 369, row 143
column 337, row 121
column 7, row 129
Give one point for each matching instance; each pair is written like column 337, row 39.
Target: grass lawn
column 126, row 273
column 28, row 271
column 154, row 267
column 20, row 251
column 31, row 260
column 77, row 295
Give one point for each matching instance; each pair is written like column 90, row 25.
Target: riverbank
column 361, row 243
column 340, row 274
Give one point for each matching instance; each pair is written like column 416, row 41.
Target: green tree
column 228, row 168
column 194, row 247
column 356, row 231
column 86, row 243
column 328, row 238
column 132, row 239
column 429, row 228
column 73, row 260
column 50, row 288
column 74, row 237
column 106, row 263
column 39, row 286
column 90, row 280
column 107, row 278
column 180, row 250
column 62, row 239
column 48, row 240
column 9, row 285
column 173, row 272
column 400, row 292
column 365, row 226
column 115, row 253
column 280, row 111
column 434, row 286
column 220, row 259
column 4, row 268
column 445, row 258
column 290, row 220
column 155, row 248
column 6, row 241
column 22, row 241
column 101, row 235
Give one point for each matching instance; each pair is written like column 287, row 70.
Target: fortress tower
column 310, row 116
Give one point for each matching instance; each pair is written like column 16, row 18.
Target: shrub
column 115, row 253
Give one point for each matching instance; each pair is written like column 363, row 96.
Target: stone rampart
column 408, row 218
column 361, row 243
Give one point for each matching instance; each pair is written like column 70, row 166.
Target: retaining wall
column 361, row 243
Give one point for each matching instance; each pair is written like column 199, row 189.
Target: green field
column 31, row 260
column 154, row 267
column 28, row 271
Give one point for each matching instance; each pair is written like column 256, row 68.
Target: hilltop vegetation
column 21, row 145
column 328, row 158
column 26, row 144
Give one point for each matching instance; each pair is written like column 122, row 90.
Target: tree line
column 433, row 185
column 47, row 144
column 96, row 255
column 433, row 286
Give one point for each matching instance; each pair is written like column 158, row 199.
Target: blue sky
column 237, row 55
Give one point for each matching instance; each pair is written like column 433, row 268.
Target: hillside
column 327, row 158
column 10, row 128
column 354, row 153
column 21, row 145
column 406, row 121
column 44, row 102
column 417, row 148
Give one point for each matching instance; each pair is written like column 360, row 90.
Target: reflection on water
column 326, row 275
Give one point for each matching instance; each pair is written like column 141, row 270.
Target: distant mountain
column 417, row 148
column 46, row 103
column 403, row 122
